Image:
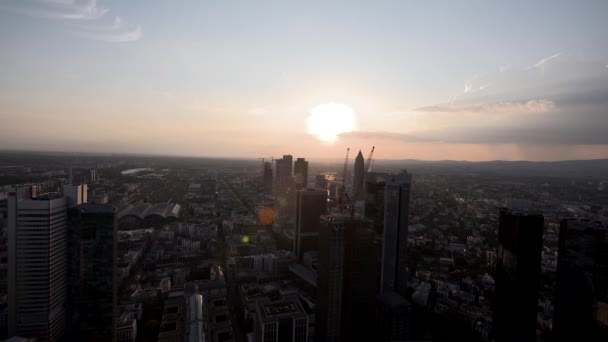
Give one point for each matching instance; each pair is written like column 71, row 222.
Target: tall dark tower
column 358, row 176
column 397, row 190
column 310, row 205
column 300, row 171
column 284, row 174
column 346, row 295
column 267, row 177
column 92, row 234
column 520, row 242
column 581, row 300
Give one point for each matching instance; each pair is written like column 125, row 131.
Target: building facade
column 300, row 171
column 310, row 205
column 520, row 242
column 581, row 300
column 92, row 233
column 397, row 190
column 36, row 264
column 284, row 174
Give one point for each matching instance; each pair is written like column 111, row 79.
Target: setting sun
column 328, row 120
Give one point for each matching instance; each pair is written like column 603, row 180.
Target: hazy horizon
column 476, row 81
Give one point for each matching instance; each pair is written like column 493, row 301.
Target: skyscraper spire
column 358, row 177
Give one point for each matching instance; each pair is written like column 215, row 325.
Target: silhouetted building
column 346, row 295
column 284, row 174
column 328, row 316
column 92, row 237
column 397, row 190
column 268, row 178
column 301, row 173
column 36, row 264
column 359, row 289
column 374, row 199
column 281, row 320
column 320, row 182
column 581, row 300
column 310, row 205
column 359, row 173
column 520, row 241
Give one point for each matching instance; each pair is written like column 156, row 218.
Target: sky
column 432, row 80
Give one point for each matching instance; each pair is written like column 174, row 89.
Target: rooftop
column 280, row 308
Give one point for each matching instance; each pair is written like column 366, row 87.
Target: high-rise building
column 320, row 182
column 301, row 173
column 346, row 294
column 75, row 194
column 397, row 190
column 359, row 173
column 310, row 205
column 581, row 299
column 267, row 178
column 36, row 264
column 92, row 237
column 374, row 199
column 387, row 198
column 93, row 176
column 520, row 242
column 281, row 320
column 328, row 316
column 284, row 174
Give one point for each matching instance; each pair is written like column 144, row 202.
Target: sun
column 327, row 121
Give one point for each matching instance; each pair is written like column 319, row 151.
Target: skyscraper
column 346, row 295
column 520, row 242
column 267, row 178
column 310, row 205
column 394, row 240
column 284, row 174
column 359, row 290
column 301, row 173
column 92, row 233
column 36, row 264
column 581, row 299
column 358, row 176
column 328, row 316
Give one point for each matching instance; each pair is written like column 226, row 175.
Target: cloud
column 544, row 62
column 468, row 87
column 61, row 9
column 529, row 106
column 113, row 37
column 84, row 10
column 504, row 68
column 116, row 25
column 381, row 135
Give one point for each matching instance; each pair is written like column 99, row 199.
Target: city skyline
column 449, row 81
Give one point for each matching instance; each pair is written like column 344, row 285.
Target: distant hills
column 595, row 168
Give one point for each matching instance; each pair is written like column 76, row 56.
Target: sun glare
column 328, row 120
